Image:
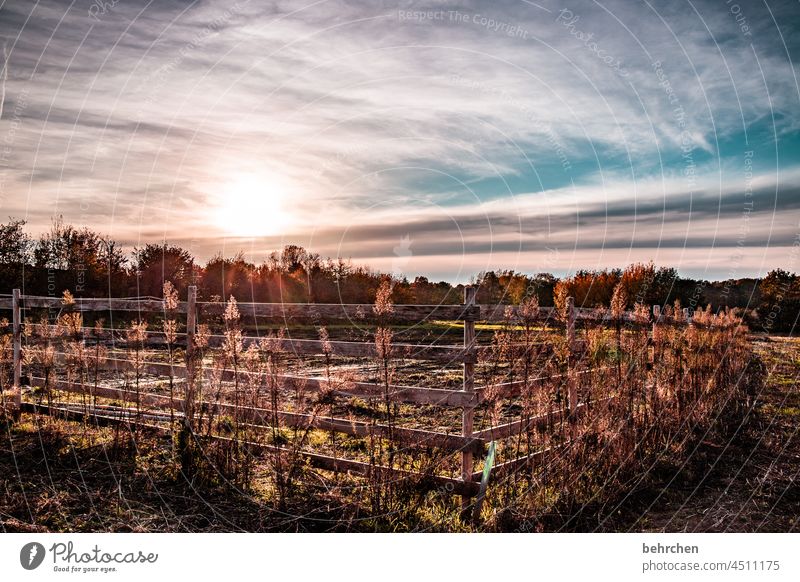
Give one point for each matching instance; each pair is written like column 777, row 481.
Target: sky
column 437, row 138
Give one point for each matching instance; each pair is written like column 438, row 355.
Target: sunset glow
column 497, row 135
column 251, row 205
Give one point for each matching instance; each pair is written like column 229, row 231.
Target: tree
column 542, row 285
column 293, row 258
column 79, row 259
column 780, row 301
column 225, row 277
column 156, row 264
column 15, row 243
column 650, row 285
column 591, row 288
column 642, row 283
column 15, row 253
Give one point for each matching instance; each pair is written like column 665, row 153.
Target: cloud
column 496, row 127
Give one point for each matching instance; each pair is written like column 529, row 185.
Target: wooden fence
column 466, row 442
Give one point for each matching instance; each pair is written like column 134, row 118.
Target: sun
column 251, row 205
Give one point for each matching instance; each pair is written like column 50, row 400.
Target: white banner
column 414, row 557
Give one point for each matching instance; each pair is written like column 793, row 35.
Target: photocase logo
column 31, row 555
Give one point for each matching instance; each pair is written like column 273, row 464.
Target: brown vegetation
column 580, row 418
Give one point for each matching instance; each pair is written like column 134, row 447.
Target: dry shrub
column 641, row 402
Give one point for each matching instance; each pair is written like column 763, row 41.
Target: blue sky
column 440, row 138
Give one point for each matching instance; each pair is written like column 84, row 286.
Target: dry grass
column 642, row 404
column 645, row 406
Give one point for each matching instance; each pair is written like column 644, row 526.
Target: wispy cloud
column 497, row 130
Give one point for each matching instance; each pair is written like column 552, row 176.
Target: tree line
column 89, row 264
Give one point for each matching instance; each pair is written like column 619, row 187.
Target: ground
column 748, row 483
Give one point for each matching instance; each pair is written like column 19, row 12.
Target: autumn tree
column 84, row 261
column 155, row 264
column 780, row 301
column 15, row 253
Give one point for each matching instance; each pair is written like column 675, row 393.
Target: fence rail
column 464, row 440
column 490, row 313
column 353, row 312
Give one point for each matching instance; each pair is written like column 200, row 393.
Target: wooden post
column 17, row 339
column 186, row 434
column 571, row 321
column 654, row 356
column 687, row 316
column 191, row 325
column 469, row 388
column 572, row 389
column 656, row 320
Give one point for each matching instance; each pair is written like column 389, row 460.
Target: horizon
column 440, row 140
column 201, row 262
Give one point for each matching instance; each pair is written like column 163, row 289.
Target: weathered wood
column 499, row 313
column 409, row 436
column 147, row 399
column 99, row 304
column 352, row 312
column 323, row 311
column 191, row 357
column 571, row 316
column 424, row 481
column 572, row 388
column 418, row 437
column 17, row 348
column 468, row 414
column 287, row 311
column 72, row 413
column 409, row 394
column 441, row 354
column 444, row 354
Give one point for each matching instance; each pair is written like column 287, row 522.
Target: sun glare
column 252, row 205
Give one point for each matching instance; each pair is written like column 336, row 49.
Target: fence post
column 469, row 387
column 572, row 389
column 656, row 320
column 17, row 338
column 191, row 324
column 186, row 435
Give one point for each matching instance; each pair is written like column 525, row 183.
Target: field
column 613, row 420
